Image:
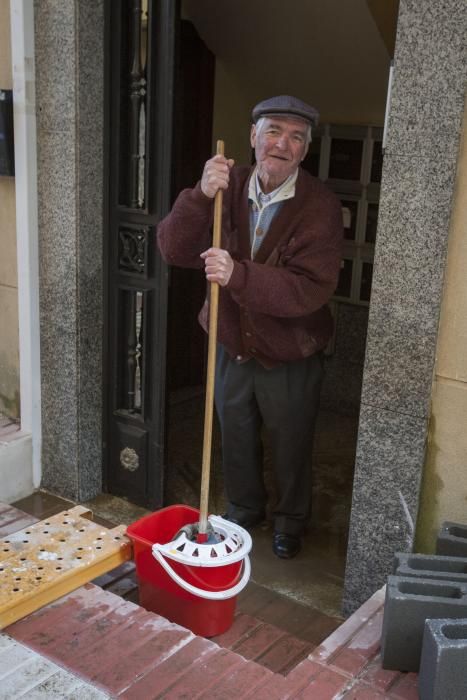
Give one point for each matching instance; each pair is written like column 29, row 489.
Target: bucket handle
column 209, row 595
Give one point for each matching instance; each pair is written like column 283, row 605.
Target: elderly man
column 277, row 267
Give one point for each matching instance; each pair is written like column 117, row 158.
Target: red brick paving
column 90, row 643
column 377, row 677
column 363, row 646
column 66, row 617
column 202, row 675
column 296, row 619
column 160, row 678
column 266, row 644
column 258, row 642
column 284, row 654
column 327, row 684
column 276, row 688
column 134, row 654
column 405, row 688
column 245, row 677
column 363, row 692
column 139, row 660
column 242, row 626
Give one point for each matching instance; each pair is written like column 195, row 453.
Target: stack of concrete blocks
column 425, row 616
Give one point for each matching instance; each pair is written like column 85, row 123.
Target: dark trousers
column 285, row 400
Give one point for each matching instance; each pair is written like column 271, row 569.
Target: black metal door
column 140, row 50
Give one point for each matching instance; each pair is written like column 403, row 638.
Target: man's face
column 280, row 145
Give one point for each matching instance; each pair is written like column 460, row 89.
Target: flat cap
column 288, row 106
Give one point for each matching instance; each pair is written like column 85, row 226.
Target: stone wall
column 415, row 208
column 69, row 39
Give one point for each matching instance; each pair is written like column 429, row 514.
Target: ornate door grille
column 140, row 49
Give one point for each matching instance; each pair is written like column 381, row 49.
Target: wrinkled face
column 280, row 145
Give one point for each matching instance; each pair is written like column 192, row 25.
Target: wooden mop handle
column 212, row 342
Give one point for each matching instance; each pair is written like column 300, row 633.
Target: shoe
column 246, row 523
column 285, row 546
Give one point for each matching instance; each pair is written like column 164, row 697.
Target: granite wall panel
column 385, row 498
column 407, row 286
column 69, row 41
column 415, row 208
column 429, row 71
column 56, row 64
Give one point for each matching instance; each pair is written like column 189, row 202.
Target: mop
column 197, row 575
column 221, row 537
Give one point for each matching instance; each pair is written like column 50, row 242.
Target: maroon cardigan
column 274, row 307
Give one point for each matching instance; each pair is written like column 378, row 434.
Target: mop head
column 192, row 533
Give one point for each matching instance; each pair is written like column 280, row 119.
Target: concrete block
column 443, row 665
column 431, row 566
column 452, row 540
column 409, row 602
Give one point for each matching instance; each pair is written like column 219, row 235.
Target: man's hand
column 216, row 175
column 218, row 265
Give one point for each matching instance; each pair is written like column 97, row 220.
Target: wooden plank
column 46, row 560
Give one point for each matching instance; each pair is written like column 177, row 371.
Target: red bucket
column 193, row 595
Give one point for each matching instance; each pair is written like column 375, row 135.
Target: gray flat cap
column 288, row 106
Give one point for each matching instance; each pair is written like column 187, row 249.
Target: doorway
column 346, row 152
column 321, row 54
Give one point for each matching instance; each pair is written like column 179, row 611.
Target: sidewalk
column 24, row 673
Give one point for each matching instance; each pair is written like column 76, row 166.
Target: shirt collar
column 284, row 191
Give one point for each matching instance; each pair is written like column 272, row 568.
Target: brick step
column 251, row 637
column 123, row 649
column 266, row 644
column 278, row 647
column 302, row 621
column 128, row 652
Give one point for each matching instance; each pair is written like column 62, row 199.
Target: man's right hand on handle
column 216, row 175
